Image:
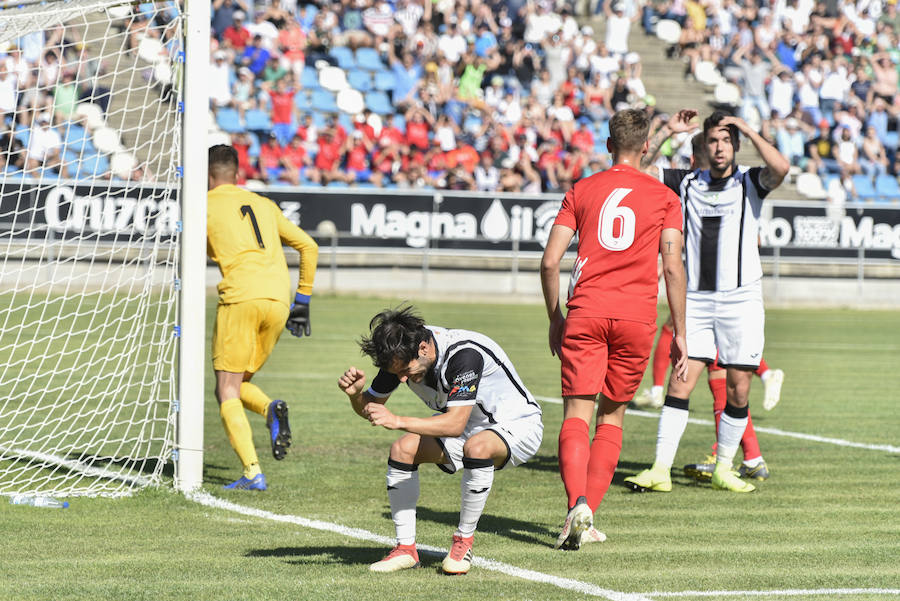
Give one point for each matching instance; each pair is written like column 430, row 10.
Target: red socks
column 605, row 452
column 661, row 359
column 574, row 455
column 763, row 367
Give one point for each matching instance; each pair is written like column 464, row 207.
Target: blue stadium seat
column 378, row 103
column 863, row 187
column 337, row 184
column 323, row 101
column 319, row 119
column 345, row 121
column 253, row 150
column 887, row 188
column 369, row 59
column 385, row 81
column 309, row 78
column 257, row 120
column 360, row 80
column 23, row 135
column 76, row 138
column 229, row 120
column 344, row 57
column 302, row 101
column 400, row 122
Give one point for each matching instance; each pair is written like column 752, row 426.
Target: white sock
column 753, row 462
column 765, row 375
column 655, row 389
column 477, row 479
column 731, row 430
column 403, row 493
column 672, row 422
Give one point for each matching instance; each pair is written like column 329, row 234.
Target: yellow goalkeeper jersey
column 244, row 236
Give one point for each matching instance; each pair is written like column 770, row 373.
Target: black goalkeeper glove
column 298, row 320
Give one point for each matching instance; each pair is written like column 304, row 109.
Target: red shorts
column 605, row 355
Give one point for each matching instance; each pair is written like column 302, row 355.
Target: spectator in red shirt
column 328, row 159
column 270, row 155
column 297, row 164
column 236, row 35
column 282, row 100
column 246, row 170
column 361, row 123
column 385, row 157
column 418, row 126
column 390, row 131
column 582, row 138
column 357, row 149
column 550, row 162
column 292, row 41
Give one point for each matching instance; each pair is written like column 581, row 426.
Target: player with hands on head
column 245, row 233
column 624, row 220
column 485, row 419
column 725, row 313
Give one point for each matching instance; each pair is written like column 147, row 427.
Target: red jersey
column 358, row 157
column 238, row 36
column 619, row 215
column 329, row 155
column 282, row 106
column 296, row 155
column 270, row 156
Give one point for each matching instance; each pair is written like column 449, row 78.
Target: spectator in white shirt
column 452, row 44
column 265, row 29
column 220, row 80
column 8, row 93
column 44, row 145
column 618, row 26
column 781, row 93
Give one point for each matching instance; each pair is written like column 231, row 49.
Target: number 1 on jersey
column 611, row 214
column 248, row 210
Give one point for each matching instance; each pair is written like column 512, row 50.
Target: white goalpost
column 103, row 233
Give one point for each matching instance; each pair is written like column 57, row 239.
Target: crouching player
column 485, row 419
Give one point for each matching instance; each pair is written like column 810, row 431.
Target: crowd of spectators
column 818, row 78
column 491, row 95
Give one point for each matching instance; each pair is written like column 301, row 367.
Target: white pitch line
column 204, row 498
column 783, row 593
column 774, row 431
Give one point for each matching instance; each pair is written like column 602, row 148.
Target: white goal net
column 90, row 147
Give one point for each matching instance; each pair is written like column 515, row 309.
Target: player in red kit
column 624, row 221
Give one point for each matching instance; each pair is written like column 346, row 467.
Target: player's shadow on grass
column 316, row 555
column 526, row 532
column 541, row 463
column 217, row 478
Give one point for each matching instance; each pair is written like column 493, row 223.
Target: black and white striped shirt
column 721, row 226
column 470, row 369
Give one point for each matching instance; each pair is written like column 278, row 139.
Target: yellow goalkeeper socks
column 238, row 429
column 254, row 398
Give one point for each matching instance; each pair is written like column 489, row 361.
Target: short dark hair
column 628, row 129
column 700, row 152
column 394, row 334
column 222, row 161
column 713, row 121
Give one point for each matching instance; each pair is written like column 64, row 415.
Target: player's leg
column 233, row 338
column 273, row 317
column 482, row 453
column 583, row 364
column 739, row 329
column 655, row 395
column 406, row 454
column 772, row 381
column 718, row 388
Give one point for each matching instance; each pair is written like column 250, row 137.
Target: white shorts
column 731, row 322
column 522, row 438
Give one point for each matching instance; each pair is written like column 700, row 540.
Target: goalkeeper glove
column 298, row 319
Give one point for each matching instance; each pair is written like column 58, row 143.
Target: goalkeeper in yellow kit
column 245, row 233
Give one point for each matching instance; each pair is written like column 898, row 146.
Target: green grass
column 829, row 518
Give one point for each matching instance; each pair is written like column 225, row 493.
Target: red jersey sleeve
column 566, row 215
column 674, row 218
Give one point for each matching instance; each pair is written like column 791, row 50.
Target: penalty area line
column 773, row 431
column 208, row 500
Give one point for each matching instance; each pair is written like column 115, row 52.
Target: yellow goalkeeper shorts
column 245, row 334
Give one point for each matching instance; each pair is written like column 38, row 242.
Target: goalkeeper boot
column 701, row 471
column 724, row 478
column 756, row 472
column 592, row 535
column 257, row 482
column 401, row 557
column 655, row 478
column 772, row 385
column 578, row 520
column 279, row 429
column 459, row 559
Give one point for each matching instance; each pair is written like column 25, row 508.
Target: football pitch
column 825, row 526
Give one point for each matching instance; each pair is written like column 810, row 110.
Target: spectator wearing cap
column 223, row 14
column 618, row 26
column 255, row 56
column 219, row 81
column 236, row 36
